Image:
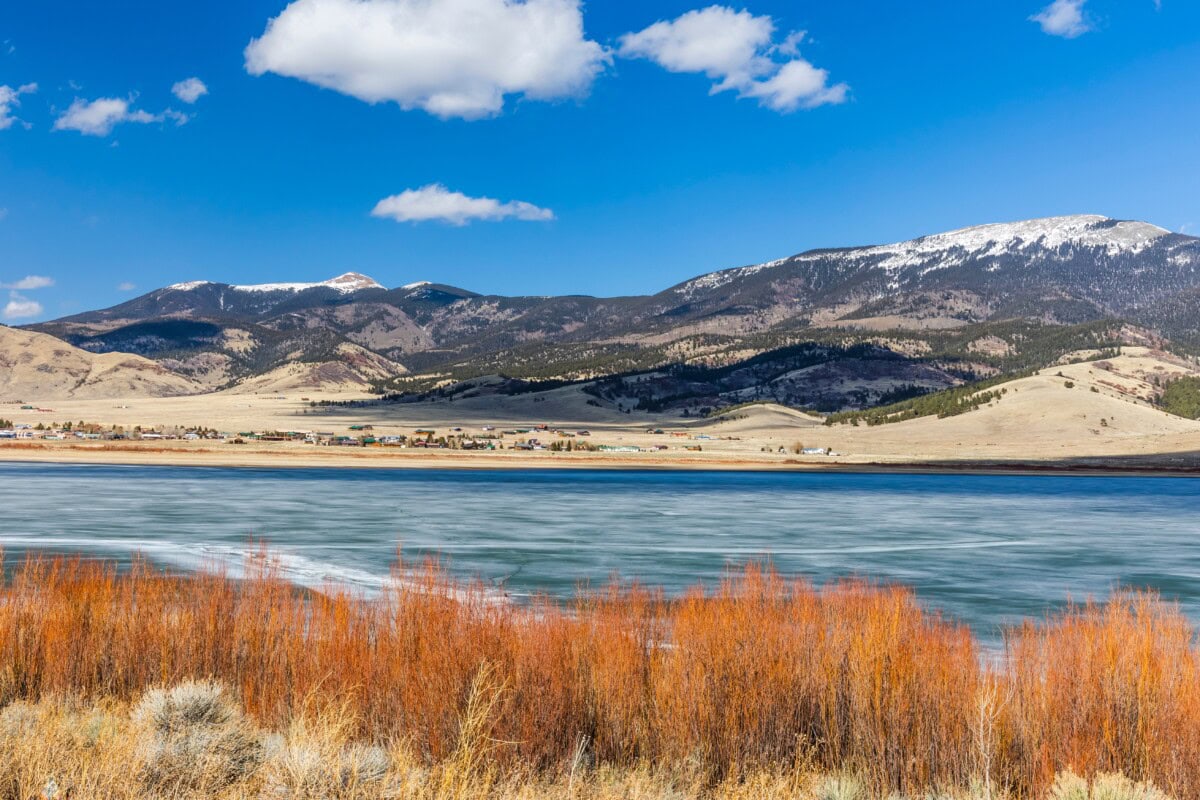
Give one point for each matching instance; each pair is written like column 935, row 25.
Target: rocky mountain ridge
column 1037, row 275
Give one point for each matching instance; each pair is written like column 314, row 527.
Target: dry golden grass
column 758, row 688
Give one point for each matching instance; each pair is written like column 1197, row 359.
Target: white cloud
column 797, row 84
column 21, row 307
column 3, row 214
column 451, row 58
column 736, row 50
column 99, row 117
column 436, row 202
column 29, row 282
column 1063, row 18
column 9, row 98
column 126, row 286
column 724, row 44
column 190, row 90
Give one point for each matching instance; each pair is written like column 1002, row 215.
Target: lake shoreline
column 206, row 456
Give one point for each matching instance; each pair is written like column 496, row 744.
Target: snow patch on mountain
column 998, row 239
column 345, row 283
column 715, row 280
column 974, row 244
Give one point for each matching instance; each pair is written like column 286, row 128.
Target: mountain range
column 831, row 328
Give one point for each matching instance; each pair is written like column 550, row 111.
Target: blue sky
column 548, row 147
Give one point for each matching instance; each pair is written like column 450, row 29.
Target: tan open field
column 1038, row 422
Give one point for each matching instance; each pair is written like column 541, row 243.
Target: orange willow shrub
column 758, row 672
column 856, row 677
column 1113, row 687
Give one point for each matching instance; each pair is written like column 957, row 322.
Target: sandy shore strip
column 284, row 456
column 189, row 454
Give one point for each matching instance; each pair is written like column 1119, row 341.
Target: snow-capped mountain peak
column 352, row 282
column 345, row 283
column 1051, row 233
column 978, row 243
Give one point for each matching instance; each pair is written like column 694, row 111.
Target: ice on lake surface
column 987, row 549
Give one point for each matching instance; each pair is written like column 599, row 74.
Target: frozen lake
column 985, row 548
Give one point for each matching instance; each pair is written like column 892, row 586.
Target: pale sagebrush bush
column 186, row 706
column 294, row 770
column 319, row 759
column 309, row 769
column 1104, row 786
column 194, row 737
column 363, row 764
column 1118, row 787
column 841, row 787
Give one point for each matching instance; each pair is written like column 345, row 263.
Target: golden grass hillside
column 37, row 365
column 114, row 684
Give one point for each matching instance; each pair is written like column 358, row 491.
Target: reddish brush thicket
column 758, row 672
column 1105, row 688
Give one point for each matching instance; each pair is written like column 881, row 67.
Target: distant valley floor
column 1072, row 417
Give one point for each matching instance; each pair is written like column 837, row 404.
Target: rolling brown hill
column 37, row 367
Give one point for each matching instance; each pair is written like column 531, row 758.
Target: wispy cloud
column 10, row 98
column 1065, row 18
column 738, row 52
column 21, row 307
column 126, row 286
column 436, row 202
column 29, row 282
column 99, row 117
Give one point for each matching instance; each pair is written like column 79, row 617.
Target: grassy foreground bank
column 761, row 687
